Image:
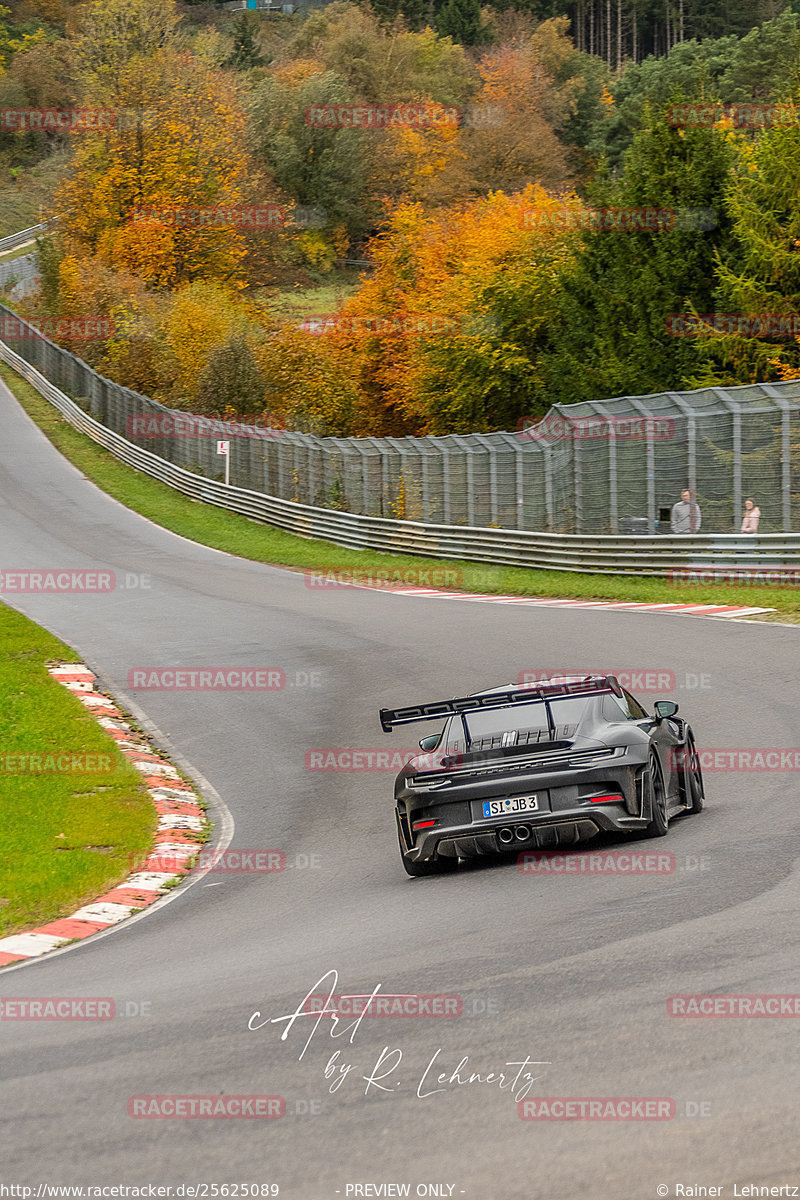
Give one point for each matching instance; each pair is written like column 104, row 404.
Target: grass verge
column 19, row 252
column 65, row 837
column 263, row 543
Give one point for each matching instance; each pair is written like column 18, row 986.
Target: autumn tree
column 143, row 196
column 114, row 35
column 317, row 164
column 231, row 380
column 519, row 111
column 448, row 331
column 203, row 317
column 310, row 386
column 383, row 64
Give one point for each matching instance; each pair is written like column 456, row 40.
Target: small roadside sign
column 225, row 449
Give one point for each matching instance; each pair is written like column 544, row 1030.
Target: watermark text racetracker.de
column 733, row 324
column 610, row 862
column 54, row 580
column 74, row 120
column 71, row 1008
column 220, row 679
column 648, row 680
column 746, row 759
column 445, row 578
column 619, row 220
column 370, row 758
column 177, row 858
column 200, row 1107
column 597, row 1108
column 715, row 1004
column 259, row 426
column 53, row 762
column 555, row 427
column 734, row 577
column 79, row 328
column 754, row 115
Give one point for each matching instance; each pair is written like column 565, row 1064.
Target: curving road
column 572, row 971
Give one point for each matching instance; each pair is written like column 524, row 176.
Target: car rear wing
column 590, row 684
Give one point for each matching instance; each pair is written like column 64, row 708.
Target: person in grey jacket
column 685, row 517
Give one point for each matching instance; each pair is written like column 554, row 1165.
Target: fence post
column 613, row 495
column 440, row 444
column 492, row 452
column 577, row 477
column 786, row 455
column 691, row 441
column 548, row 484
column 736, row 412
column 649, row 419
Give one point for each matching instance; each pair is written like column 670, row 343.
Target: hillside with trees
column 388, row 218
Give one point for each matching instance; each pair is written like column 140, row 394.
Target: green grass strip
column 66, row 836
column 18, row 252
column 237, row 535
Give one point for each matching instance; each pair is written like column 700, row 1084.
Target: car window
column 630, row 708
column 529, row 721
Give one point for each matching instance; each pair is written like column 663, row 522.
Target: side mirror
column 665, row 708
column 430, row 742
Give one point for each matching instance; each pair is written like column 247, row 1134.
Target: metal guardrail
column 12, row 240
column 605, row 554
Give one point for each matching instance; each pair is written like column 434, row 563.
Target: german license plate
column 511, row 806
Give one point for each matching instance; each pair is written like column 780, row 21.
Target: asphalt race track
column 573, row 971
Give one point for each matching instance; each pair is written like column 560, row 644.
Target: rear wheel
column 693, row 777
column 654, row 781
column 432, row 866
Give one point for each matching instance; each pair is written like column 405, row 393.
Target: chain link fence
column 614, row 467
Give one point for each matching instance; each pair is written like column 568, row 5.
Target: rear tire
column 432, row 866
column 695, row 792
column 659, row 822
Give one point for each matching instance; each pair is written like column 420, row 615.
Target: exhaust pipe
column 522, row 833
column 506, row 836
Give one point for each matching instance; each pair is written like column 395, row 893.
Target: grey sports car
column 538, row 768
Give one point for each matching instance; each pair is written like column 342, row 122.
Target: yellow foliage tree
column 155, row 196
column 203, row 317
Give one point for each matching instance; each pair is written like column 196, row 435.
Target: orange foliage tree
column 150, row 197
column 448, row 333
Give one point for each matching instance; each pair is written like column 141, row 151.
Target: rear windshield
column 528, row 721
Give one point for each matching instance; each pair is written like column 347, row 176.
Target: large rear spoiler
column 465, row 704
